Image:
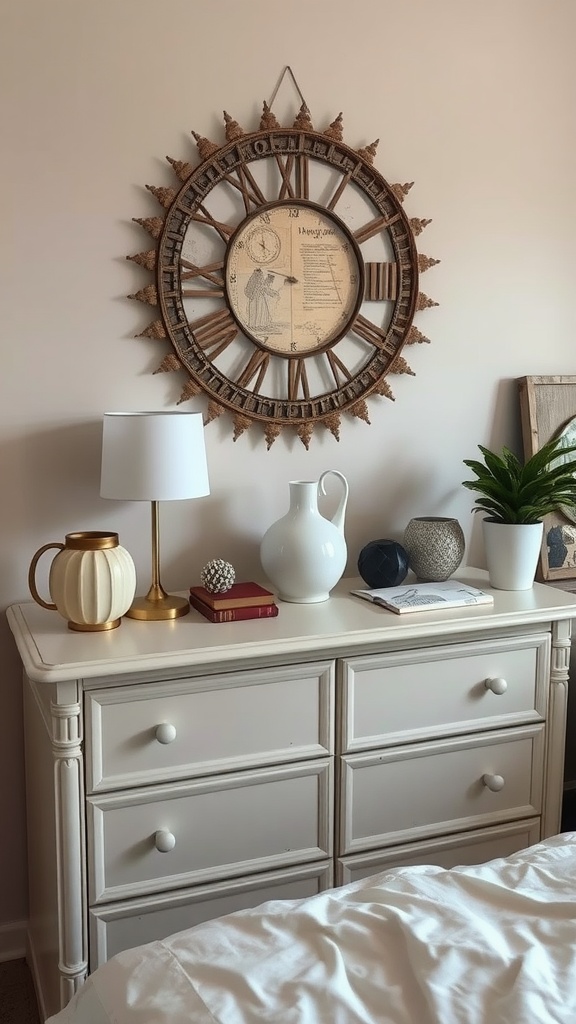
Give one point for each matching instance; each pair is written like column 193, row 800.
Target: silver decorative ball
column 217, row 576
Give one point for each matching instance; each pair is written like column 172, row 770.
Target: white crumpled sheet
column 493, row 944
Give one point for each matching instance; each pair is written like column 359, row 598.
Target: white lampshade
column 153, row 456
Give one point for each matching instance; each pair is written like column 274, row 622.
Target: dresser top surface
column 53, row 653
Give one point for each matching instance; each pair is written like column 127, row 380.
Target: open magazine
column 419, row 597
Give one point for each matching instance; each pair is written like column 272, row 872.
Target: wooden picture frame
column 547, row 406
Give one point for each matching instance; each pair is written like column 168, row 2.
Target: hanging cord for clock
column 287, row 71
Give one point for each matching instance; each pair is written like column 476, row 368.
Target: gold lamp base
column 158, row 605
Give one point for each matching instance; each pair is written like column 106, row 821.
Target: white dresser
column 180, row 770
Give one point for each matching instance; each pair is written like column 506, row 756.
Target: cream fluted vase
column 92, row 580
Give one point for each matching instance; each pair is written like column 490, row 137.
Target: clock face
column 310, row 290
column 286, row 277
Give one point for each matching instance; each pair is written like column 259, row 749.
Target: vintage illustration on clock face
column 293, row 278
column 286, row 277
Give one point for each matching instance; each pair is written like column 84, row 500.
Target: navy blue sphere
column 383, row 563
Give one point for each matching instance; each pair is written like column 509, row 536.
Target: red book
column 263, row 611
column 240, row 595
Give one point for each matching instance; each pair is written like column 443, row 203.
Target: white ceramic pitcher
column 304, row 554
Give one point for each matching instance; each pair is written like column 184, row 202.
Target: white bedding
column 494, row 944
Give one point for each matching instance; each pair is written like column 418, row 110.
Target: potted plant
column 515, row 497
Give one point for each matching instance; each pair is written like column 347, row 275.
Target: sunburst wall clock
column 286, row 277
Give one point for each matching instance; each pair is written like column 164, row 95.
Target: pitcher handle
column 338, row 517
column 32, row 576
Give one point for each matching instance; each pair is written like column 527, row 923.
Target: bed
column 491, row 944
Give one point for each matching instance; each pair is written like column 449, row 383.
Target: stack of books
column 241, row 601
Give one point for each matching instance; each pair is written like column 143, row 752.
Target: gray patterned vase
column 435, row 547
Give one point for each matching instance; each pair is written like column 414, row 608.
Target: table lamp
column 154, row 456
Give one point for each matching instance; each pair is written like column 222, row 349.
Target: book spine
column 264, row 611
column 218, row 602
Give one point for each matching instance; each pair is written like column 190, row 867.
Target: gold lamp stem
column 157, row 604
column 156, row 592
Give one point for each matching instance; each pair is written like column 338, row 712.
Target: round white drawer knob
column 165, row 733
column 496, row 685
column 164, row 841
column 493, row 782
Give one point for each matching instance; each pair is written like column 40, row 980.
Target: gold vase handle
column 32, row 576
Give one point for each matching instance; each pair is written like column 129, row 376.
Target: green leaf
column 512, row 492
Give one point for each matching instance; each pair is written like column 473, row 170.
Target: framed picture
column 548, row 409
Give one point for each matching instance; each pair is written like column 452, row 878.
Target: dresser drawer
column 408, row 695
column 474, row 847
column 158, row 731
column 128, row 923
column 439, row 787
column 162, row 837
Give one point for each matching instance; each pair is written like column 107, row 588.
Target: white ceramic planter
column 512, row 552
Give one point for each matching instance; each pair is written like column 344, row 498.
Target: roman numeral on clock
column 257, row 364
column 297, row 378
column 380, row 281
column 252, row 195
column 373, row 227
column 202, row 216
column 372, row 334
column 214, row 332
column 294, row 173
column 208, row 273
column 340, row 372
column 339, row 191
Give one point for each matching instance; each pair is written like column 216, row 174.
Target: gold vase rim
column 91, row 540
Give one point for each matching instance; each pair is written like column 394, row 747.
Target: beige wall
column 473, row 101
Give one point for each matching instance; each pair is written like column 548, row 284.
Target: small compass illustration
column 263, row 245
